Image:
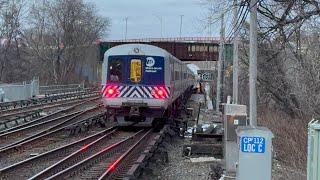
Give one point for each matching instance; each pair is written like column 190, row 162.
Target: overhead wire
column 238, row 24
column 236, row 30
column 234, row 25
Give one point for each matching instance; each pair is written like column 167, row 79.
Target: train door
column 135, row 69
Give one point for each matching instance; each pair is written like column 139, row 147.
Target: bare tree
column 11, row 60
column 288, row 72
column 61, row 32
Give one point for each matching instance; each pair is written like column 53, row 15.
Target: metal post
column 209, row 25
column 313, row 163
column 126, row 28
column 181, row 25
column 161, row 27
column 235, row 55
column 253, row 62
column 160, row 19
column 220, row 65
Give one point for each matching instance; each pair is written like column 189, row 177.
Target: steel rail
column 114, row 165
column 53, row 154
column 105, row 153
column 16, row 105
column 49, row 131
column 25, row 130
column 42, row 119
column 15, row 112
column 76, row 156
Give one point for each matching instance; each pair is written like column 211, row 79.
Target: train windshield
column 135, row 70
column 115, row 70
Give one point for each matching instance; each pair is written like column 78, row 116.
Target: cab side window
column 115, row 71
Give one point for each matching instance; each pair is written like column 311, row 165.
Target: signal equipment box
column 313, row 170
column 1, row 95
column 234, row 115
column 254, row 152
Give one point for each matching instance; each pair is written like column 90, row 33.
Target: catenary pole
column 235, row 66
column 253, row 63
column 220, row 64
column 181, row 16
column 125, row 37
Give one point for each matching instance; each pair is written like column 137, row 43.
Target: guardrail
column 57, row 89
column 172, row 39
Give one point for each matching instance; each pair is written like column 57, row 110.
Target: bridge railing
column 171, row 39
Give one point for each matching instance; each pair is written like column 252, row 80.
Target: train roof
column 143, row 49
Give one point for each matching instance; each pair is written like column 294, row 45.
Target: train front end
column 135, row 87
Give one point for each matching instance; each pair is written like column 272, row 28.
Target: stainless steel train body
column 142, row 82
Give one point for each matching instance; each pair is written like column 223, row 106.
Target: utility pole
column 253, row 62
column 161, row 26
column 126, row 19
column 235, row 55
column 160, row 19
column 209, row 25
column 181, row 25
column 220, row 63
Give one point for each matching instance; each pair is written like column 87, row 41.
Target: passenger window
column 177, row 75
column 193, row 48
column 135, row 70
column 197, row 48
column 216, row 48
column 211, row 49
column 172, row 71
column 115, row 71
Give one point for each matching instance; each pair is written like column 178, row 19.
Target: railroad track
column 21, row 148
column 53, row 115
column 47, row 159
column 109, row 154
column 20, row 110
column 17, row 118
column 7, row 106
column 92, row 160
column 102, row 148
column 29, row 130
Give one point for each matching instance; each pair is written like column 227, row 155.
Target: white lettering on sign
column 206, row 75
column 153, row 69
column 236, row 122
column 252, row 144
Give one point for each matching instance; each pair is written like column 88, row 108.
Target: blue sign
column 152, row 69
column 253, row 144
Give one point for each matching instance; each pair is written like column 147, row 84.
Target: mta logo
column 150, row 62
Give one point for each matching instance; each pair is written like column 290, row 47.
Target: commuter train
column 144, row 84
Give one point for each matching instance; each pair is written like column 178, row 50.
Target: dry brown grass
column 290, row 141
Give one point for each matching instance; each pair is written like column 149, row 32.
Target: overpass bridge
column 202, row 51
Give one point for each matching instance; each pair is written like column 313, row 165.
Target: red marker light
column 160, row 92
column 110, row 91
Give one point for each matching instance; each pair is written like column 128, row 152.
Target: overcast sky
column 144, row 18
